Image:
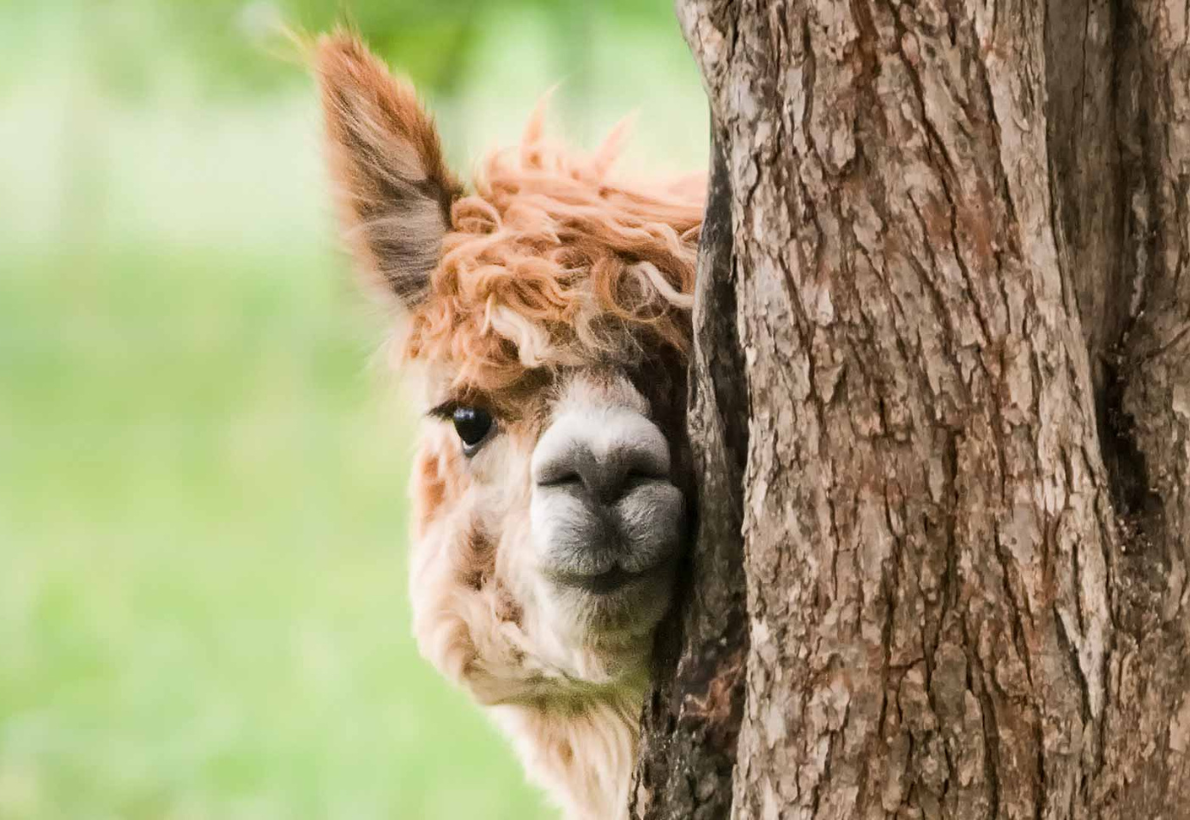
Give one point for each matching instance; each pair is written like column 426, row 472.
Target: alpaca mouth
column 610, row 581
column 604, row 583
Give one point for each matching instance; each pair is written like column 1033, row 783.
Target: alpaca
column 545, row 317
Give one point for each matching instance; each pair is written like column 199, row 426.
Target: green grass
column 202, row 606
column 202, row 499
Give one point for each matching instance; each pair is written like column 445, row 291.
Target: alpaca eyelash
column 446, row 410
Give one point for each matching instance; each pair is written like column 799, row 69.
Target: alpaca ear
column 394, row 191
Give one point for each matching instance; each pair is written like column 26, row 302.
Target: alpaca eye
column 473, row 425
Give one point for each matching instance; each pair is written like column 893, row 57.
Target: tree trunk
column 941, row 412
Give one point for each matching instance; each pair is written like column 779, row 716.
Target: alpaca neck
column 582, row 751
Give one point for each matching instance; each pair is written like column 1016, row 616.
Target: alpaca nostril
column 560, row 477
column 606, row 480
column 566, row 467
column 635, row 478
column 575, row 469
column 625, row 475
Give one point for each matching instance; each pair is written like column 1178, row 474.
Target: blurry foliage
column 239, row 42
column 432, row 39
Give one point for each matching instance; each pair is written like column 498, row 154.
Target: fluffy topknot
column 550, row 262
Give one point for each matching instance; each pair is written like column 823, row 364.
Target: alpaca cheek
column 501, row 493
column 515, row 567
column 429, row 493
column 439, row 482
column 450, row 586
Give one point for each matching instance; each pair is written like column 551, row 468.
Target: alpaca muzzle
column 606, row 516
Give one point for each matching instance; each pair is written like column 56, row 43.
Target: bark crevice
column 690, row 725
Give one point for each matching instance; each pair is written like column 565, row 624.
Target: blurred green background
column 202, row 464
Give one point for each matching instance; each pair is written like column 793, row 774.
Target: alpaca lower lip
column 604, row 583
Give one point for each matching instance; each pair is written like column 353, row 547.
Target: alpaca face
column 547, row 314
column 549, row 561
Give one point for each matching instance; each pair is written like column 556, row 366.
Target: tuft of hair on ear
column 392, row 186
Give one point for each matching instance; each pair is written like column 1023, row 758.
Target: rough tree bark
column 941, row 411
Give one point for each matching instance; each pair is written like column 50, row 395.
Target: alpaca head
column 546, row 313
